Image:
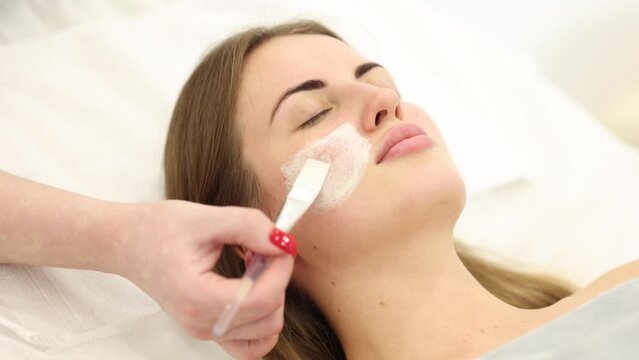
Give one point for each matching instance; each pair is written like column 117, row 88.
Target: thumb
column 252, row 229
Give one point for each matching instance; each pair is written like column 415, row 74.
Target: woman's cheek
column 348, row 154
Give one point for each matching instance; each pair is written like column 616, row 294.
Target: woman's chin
column 414, row 193
column 417, row 193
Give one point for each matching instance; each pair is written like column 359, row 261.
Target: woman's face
column 394, row 198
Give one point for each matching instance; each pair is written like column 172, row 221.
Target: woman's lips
column 402, row 139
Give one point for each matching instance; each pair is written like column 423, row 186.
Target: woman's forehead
column 285, row 61
column 294, row 58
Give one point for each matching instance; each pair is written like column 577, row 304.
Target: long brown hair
column 203, row 162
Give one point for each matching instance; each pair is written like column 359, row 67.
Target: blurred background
column 589, row 48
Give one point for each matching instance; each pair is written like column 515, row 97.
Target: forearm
column 44, row 226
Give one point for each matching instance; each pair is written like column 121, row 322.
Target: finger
column 268, row 293
column 264, row 327
column 207, row 302
column 214, row 294
column 250, row 349
column 264, row 298
column 214, row 291
column 246, row 227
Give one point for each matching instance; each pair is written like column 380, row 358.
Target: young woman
column 378, row 275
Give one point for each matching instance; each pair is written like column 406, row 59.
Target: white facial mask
column 348, row 154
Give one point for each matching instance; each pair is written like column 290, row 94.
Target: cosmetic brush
column 306, row 187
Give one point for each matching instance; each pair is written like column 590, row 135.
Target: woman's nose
column 380, row 105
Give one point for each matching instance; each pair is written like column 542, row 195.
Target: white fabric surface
column 602, row 328
column 86, row 109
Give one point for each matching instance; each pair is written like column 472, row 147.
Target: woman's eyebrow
column 316, row 84
column 305, row 86
column 364, row 68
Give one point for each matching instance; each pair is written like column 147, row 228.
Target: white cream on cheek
column 348, row 154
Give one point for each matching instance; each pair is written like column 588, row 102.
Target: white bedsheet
column 603, row 328
column 86, row 109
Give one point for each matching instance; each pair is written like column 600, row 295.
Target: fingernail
column 284, row 241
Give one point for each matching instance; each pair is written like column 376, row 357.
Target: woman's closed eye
column 315, row 118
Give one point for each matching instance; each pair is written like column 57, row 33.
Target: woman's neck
column 416, row 300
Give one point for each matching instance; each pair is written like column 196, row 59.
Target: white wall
column 590, row 48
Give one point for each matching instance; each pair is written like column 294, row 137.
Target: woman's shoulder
column 605, row 282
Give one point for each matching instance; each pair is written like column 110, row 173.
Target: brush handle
column 253, row 271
